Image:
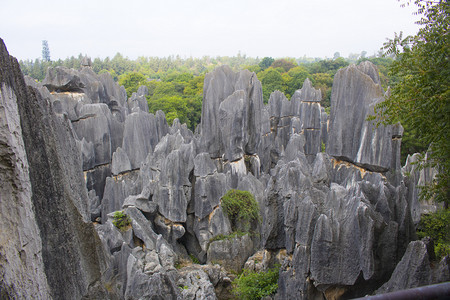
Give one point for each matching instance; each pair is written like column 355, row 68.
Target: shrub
column 256, row 285
column 437, row 226
column 121, row 220
column 241, row 208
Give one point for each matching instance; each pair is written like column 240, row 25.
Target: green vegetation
column 437, row 226
column 241, row 208
column 230, row 236
column 121, row 220
column 176, row 85
column 421, row 93
column 252, row 285
column 194, row 259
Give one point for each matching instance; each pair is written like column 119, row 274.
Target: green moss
column 121, row 220
column 437, row 226
column 230, row 236
column 252, row 285
column 194, row 259
column 241, row 208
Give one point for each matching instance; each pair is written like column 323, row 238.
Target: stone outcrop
column 356, row 90
column 22, row 271
column 60, row 202
column 231, row 113
column 415, row 269
column 338, row 222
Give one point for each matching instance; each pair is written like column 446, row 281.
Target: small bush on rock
column 437, row 226
column 121, row 220
column 252, row 285
column 241, row 208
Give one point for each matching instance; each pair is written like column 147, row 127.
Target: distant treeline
column 176, row 84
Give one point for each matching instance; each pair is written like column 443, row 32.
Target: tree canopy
column 420, row 99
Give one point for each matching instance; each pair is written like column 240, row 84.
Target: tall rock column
column 231, row 114
column 71, row 249
column 356, row 89
column 22, row 273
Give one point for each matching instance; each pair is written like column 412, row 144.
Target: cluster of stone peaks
column 75, row 150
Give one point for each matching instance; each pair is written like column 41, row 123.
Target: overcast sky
column 257, row 28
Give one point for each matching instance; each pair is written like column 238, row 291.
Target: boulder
column 231, row 253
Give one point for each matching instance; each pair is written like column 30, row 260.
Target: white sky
column 277, row 28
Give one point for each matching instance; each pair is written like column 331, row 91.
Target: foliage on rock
column 121, row 220
column 420, row 97
column 241, row 209
column 437, row 226
column 252, row 285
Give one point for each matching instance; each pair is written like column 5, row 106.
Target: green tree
column 421, row 97
column 45, row 51
column 286, row 64
column 271, row 80
column 266, row 62
column 132, row 81
column 294, row 78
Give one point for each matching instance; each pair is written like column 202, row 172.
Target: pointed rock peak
column 307, row 93
column 370, row 70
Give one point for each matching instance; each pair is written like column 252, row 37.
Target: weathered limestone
column 231, row 97
column 356, row 89
column 415, row 269
column 60, row 201
column 414, row 178
column 337, row 222
column 231, row 253
column 22, row 272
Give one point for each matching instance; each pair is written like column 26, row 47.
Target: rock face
column 356, row 89
column 231, row 113
column 60, row 203
column 337, row 222
column 415, row 270
column 22, row 273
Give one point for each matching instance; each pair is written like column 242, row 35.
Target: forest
column 175, row 84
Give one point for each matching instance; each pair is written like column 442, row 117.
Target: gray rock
column 140, row 137
column 414, row 178
column 194, row 283
column 60, row 200
column 117, row 189
column 182, row 128
column 120, row 162
column 139, row 100
column 161, row 124
column 208, row 192
column 149, row 285
column 412, row 271
column 23, row 274
column 203, row 165
column 350, row 136
column 211, row 226
column 94, row 126
column 173, row 194
column 61, row 79
column 231, row 253
column 220, row 85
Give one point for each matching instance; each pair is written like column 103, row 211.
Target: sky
column 256, row 28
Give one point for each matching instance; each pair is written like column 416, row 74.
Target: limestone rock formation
column 22, row 271
column 228, row 98
column 338, row 222
column 60, row 202
column 356, row 89
column 415, row 269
